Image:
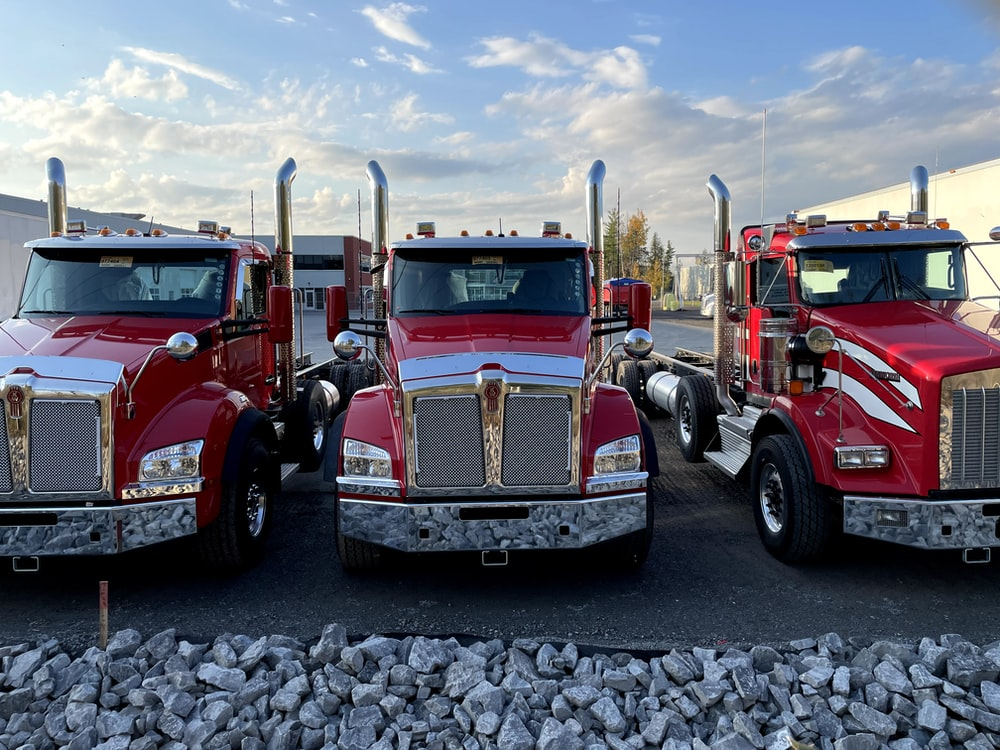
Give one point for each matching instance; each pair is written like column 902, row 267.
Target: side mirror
column 638, row 342
column 640, row 305
column 336, row 310
column 279, row 314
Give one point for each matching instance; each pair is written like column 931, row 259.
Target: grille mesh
column 449, row 441
column 6, row 484
column 536, row 449
column 975, row 437
column 63, row 445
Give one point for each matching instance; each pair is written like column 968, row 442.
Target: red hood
column 562, row 335
column 922, row 340
column 123, row 340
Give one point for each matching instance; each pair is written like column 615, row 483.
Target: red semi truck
column 855, row 381
column 491, row 429
column 151, row 390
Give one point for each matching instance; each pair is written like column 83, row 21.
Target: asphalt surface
column 707, row 582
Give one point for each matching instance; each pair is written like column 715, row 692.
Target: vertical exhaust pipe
column 595, row 237
column 918, row 189
column 55, row 173
column 723, row 224
column 283, row 275
column 380, row 253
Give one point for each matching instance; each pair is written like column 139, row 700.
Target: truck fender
column 649, row 445
column 765, row 427
column 251, row 422
column 331, row 462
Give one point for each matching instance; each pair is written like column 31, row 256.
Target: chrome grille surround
column 493, row 432
column 969, row 437
column 59, row 436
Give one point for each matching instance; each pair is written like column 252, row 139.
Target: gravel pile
column 422, row 692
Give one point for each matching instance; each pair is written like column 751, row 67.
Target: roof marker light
column 942, row 223
column 488, row 233
column 513, row 233
column 132, row 232
column 157, row 233
column 106, row 232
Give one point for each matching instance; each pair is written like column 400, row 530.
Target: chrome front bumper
column 924, row 523
column 492, row 525
column 94, row 531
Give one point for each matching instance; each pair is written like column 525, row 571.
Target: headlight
column 862, row 457
column 181, row 461
column 622, row 455
column 364, row 460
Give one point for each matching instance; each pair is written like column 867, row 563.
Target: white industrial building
column 969, row 198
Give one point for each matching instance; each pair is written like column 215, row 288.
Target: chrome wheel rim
column 256, row 509
column 771, row 496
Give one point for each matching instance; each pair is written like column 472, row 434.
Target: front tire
column 356, row 555
column 635, row 546
column 235, row 539
column 793, row 519
column 694, row 423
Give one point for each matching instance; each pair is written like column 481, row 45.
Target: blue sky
column 486, row 112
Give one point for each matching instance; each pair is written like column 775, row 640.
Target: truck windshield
column 473, row 281
column 844, row 277
column 94, row 281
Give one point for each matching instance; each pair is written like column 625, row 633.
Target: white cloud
column 548, row 58
column 411, row 62
column 121, row 82
column 180, row 63
column 391, row 21
column 406, row 117
column 651, row 39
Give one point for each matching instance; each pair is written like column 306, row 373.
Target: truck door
column 249, row 357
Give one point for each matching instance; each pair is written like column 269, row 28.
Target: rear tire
column 793, row 518
column 627, row 376
column 235, row 539
column 694, row 423
column 308, row 423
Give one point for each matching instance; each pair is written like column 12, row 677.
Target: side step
column 734, row 440
column 287, row 470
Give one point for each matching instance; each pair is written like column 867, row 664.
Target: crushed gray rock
column 280, row 693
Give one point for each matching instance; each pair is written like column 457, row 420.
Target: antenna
column 763, row 139
column 252, row 236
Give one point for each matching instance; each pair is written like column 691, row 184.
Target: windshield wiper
column 46, row 312
column 427, row 311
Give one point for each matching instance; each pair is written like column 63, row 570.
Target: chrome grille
column 970, row 432
column 6, row 485
column 536, row 440
column 448, row 436
column 64, row 445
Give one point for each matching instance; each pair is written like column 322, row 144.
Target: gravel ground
column 161, row 691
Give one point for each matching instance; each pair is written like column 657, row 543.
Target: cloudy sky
column 483, row 112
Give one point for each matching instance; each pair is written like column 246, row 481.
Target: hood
column 123, row 340
column 488, row 337
column 925, row 340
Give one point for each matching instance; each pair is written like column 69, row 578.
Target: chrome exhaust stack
column 283, row 267
column 595, row 238
column 919, row 181
column 380, row 247
column 723, row 224
column 55, row 173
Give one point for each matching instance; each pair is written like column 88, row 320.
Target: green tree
column 612, row 256
column 659, row 274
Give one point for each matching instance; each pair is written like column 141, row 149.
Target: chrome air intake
column 918, row 189
column 380, row 232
